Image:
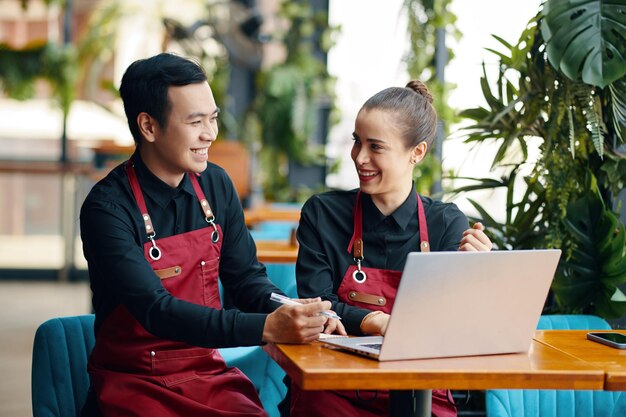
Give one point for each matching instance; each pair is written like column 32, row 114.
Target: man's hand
column 296, row 323
column 475, row 239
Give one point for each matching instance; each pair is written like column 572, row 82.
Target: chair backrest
column 60, row 380
column 561, row 403
column 572, row 322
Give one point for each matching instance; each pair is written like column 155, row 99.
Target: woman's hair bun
column 421, row 89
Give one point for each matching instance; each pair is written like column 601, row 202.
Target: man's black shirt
column 113, row 235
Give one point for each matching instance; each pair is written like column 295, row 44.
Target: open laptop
column 463, row 304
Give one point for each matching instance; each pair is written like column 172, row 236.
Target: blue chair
column 59, row 372
column 273, row 230
column 561, row 403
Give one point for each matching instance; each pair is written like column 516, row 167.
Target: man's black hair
column 145, row 85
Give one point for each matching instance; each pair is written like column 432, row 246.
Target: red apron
column 373, row 289
column 135, row 373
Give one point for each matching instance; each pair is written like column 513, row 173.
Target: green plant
column 567, row 199
column 426, row 21
column 288, row 98
column 589, row 277
column 20, row 68
column 585, row 39
column 96, row 46
column 518, row 230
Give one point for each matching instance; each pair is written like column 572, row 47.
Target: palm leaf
column 585, row 38
column 477, row 114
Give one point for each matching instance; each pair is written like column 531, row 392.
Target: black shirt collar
column 402, row 215
column 154, row 188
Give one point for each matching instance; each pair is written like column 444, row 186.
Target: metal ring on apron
column 215, row 236
column 154, row 252
column 359, row 276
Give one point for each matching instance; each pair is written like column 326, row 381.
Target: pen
column 286, row 300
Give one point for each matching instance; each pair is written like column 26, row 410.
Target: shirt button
column 152, row 354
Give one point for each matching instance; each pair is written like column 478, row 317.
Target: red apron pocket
column 166, row 362
column 209, row 272
column 179, row 378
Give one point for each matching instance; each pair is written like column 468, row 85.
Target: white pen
column 286, row 300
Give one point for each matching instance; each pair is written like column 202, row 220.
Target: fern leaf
column 617, row 90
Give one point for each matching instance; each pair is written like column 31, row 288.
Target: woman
column 353, row 244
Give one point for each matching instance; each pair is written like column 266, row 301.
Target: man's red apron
column 373, row 289
column 135, row 373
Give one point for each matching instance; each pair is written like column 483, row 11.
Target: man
column 157, row 232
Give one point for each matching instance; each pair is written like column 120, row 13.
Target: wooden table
column 314, row 367
column 268, row 213
column 276, row 252
column 575, row 343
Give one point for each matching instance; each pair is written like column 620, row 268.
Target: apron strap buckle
column 358, row 275
column 154, row 252
column 215, row 236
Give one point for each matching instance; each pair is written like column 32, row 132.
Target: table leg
column 416, row 403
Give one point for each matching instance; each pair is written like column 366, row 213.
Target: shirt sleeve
column 119, row 272
column 454, row 223
column 314, row 271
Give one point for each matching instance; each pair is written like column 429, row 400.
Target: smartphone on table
column 613, row 339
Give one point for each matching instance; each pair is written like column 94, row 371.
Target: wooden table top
column 276, row 252
column 268, row 213
column 575, row 343
column 315, row 367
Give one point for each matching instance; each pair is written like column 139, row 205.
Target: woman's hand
column 475, row 239
column 375, row 323
column 334, row 326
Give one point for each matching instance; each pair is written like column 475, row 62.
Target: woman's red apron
column 135, row 373
column 373, row 289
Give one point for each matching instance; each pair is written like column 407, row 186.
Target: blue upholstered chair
column 62, row 346
column 558, row 403
column 59, row 373
column 273, row 230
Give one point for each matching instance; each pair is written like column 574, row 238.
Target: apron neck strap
column 356, row 243
column 204, row 203
column 421, row 218
column 134, row 185
column 141, row 202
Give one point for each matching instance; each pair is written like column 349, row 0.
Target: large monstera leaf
column 586, row 37
column 588, row 281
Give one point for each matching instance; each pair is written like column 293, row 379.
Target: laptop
column 463, row 304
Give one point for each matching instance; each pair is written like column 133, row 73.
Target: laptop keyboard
column 375, row 346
